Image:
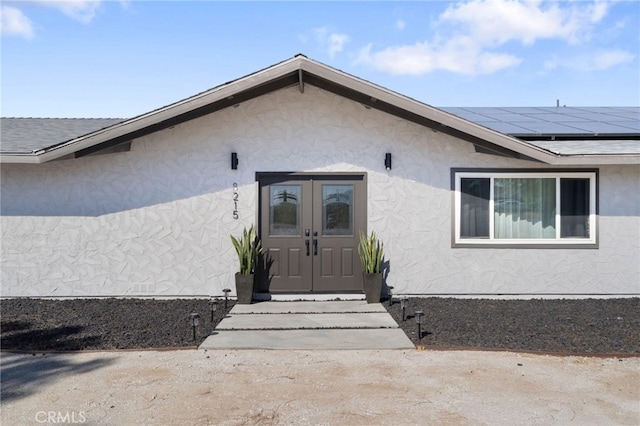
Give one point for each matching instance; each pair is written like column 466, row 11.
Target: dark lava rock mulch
column 102, row 324
column 590, row 326
column 580, row 326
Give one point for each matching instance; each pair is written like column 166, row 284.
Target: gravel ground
column 587, row 326
column 104, row 324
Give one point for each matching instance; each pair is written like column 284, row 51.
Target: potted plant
column 248, row 247
column 371, row 251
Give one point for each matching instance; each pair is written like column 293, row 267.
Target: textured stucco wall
column 156, row 220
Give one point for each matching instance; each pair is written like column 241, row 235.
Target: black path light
column 214, row 307
column 390, row 294
column 403, row 305
column 226, row 292
column 419, row 318
column 194, row 319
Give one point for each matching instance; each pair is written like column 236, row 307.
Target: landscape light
column 390, row 295
column 419, row 315
column 214, row 307
column 403, row 306
column 226, row 292
column 194, row 319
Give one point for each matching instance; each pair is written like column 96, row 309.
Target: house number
column 235, row 201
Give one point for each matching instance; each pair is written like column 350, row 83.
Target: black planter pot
column 373, row 287
column 244, row 288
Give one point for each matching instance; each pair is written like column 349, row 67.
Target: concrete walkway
column 308, row 325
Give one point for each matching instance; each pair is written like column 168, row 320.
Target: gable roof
column 299, row 71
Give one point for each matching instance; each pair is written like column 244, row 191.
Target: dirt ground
column 190, row 387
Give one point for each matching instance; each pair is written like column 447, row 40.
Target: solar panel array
column 554, row 121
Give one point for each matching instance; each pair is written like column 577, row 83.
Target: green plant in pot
column 248, row 248
column 371, row 251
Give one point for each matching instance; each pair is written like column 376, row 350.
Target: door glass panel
column 337, row 209
column 284, row 209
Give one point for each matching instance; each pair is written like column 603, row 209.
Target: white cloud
column 606, row 60
column 400, row 24
column 81, row 10
column 593, row 61
column 14, row 23
column 336, row 43
column 459, row 56
column 470, row 35
column 333, row 42
column 598, row 61
column 499, row 21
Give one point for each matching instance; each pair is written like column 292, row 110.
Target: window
column 524, row 208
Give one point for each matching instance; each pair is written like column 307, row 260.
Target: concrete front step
column 308, row 307
column 304, row 325
column 323, row 339
column 307, row 321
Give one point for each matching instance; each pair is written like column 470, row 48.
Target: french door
column 309, row 226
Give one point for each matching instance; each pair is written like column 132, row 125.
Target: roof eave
column 263, row 81
column 427, row 111
column 596, row 160
column 128, row 127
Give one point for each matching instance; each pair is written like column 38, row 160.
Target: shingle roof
column 26, row 135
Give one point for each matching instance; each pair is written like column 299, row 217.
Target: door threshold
column 287, row 297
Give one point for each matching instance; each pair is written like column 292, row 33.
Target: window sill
column 528, row 244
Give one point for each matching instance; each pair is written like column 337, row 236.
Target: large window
column 525, row 208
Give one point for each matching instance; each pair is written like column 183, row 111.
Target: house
column 474, row 202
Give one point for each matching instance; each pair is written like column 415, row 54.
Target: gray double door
column 309, row 226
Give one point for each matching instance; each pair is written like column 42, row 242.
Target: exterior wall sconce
column 387, row 161
column 234, row 161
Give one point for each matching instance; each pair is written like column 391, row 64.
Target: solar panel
column 554, row 121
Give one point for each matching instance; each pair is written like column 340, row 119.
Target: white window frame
column 590, row 242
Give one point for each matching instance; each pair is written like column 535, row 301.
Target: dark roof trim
column 237, row 98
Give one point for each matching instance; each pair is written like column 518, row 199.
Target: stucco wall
column 156, row 220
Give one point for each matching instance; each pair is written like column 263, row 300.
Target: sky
column 120, row 59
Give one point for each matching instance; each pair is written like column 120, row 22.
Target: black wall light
column 387, row 160
column 234, row 161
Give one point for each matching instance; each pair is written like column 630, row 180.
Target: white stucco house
column 491, row 202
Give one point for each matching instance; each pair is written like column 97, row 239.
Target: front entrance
column 309, row 226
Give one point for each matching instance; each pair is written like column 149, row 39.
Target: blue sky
column 91, row 58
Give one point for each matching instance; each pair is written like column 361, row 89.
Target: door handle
column 315, row 247
column 306, row 243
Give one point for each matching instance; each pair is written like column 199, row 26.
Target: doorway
column 309, row 227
